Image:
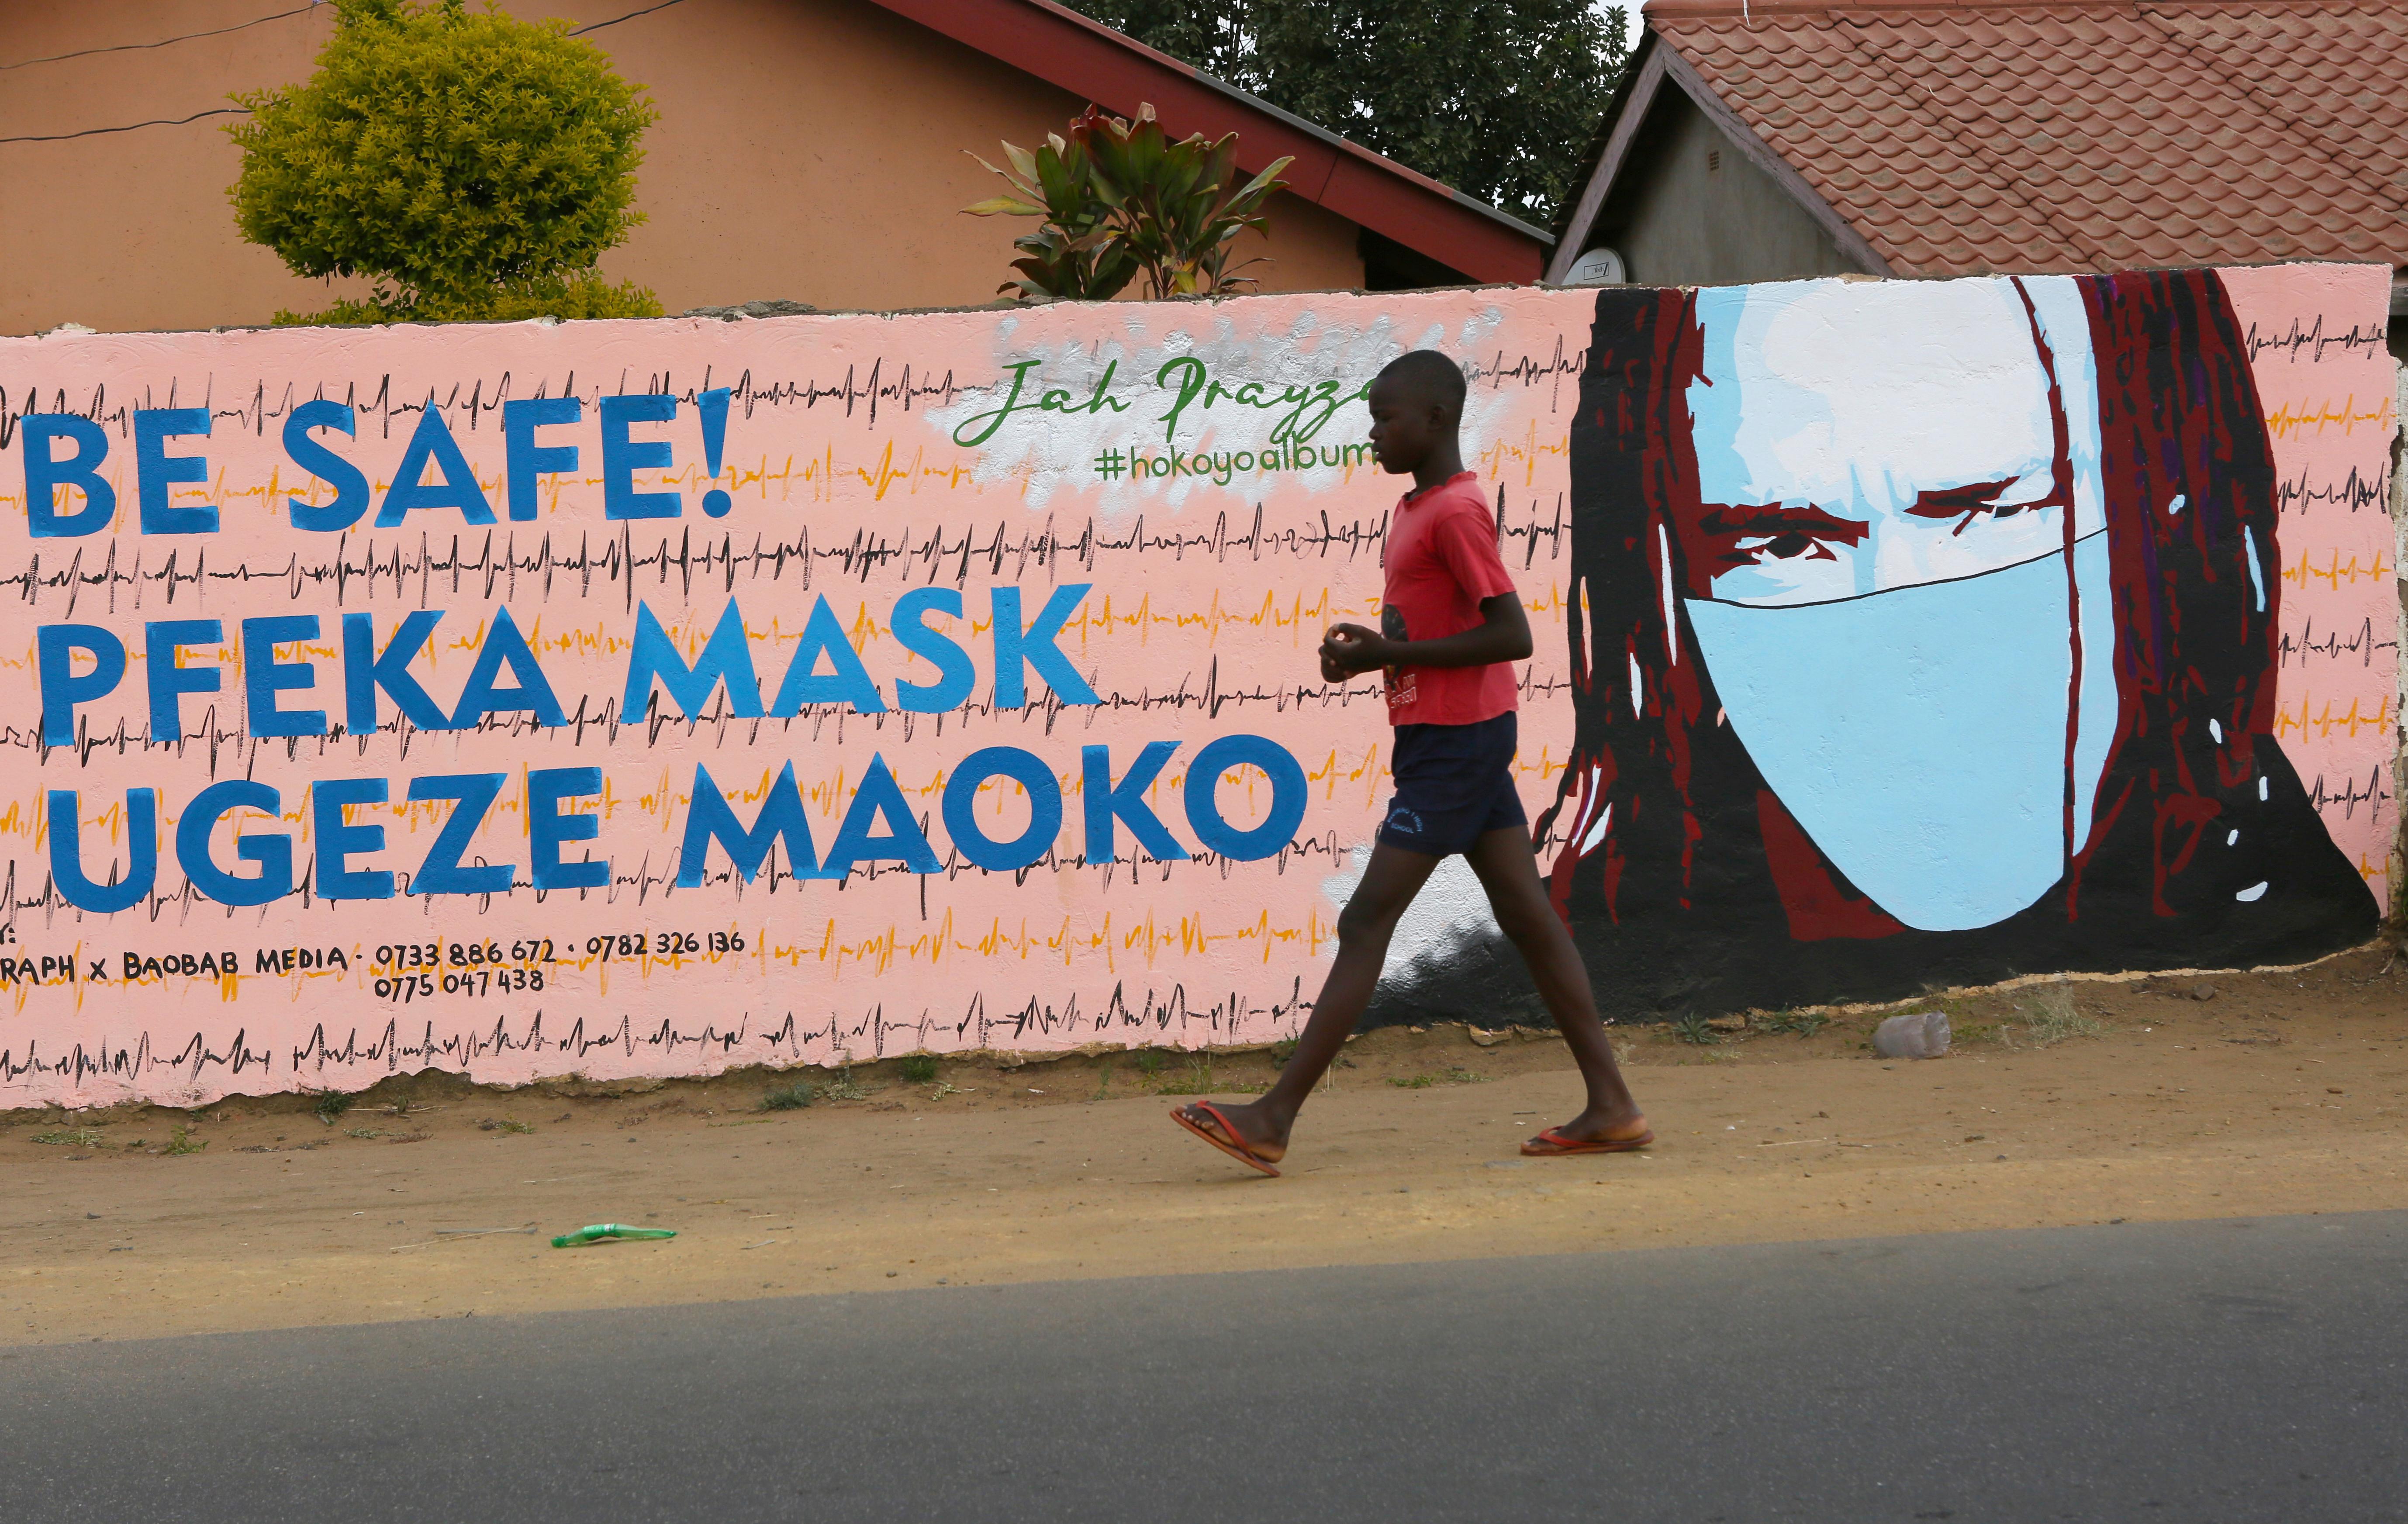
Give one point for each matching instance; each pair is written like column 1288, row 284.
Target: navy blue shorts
column 1454, row 784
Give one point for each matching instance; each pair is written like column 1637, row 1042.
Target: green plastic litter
column 601, row 1231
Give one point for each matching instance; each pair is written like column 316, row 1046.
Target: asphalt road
column 2197, row 1373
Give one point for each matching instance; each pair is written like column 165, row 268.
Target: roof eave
column 1655, row 63
column 1088, row 59
column 1641, row 77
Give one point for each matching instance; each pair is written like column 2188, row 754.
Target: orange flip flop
column 1552, row 1144
column 1229, row 1144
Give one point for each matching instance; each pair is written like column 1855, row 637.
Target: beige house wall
column 808, row 150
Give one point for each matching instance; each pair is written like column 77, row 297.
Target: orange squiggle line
column 2287, row 419
column 2333, row 574
column 2325, row 722
column 1148, row 936
column 1530, row 451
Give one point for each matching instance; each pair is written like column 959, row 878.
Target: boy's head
column 1417, row 405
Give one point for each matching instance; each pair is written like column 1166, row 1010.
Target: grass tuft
column 793, row 1097
column 845, row 1088
column 1196, row 1081
column 333, row 1104
column 920, row 1069
column 1804, row 1023
column 1692, row 1028
column 2052, row 1017
column 182, row 1143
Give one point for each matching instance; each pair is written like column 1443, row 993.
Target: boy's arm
column 1503, row 634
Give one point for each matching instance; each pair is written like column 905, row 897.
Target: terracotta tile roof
column 1985, row 136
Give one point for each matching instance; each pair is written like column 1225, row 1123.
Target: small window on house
column 1713, row 160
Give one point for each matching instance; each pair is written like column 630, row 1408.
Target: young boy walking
column 1450, row 629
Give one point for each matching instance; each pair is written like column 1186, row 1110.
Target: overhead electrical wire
column 163, row 42
column 629, row 17
column 130, row 126
column 229, row 110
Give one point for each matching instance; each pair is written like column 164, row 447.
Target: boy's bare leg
column 1390, row 881
column 1504, row 862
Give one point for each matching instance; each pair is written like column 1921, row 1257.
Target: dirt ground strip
column 2063, row 1102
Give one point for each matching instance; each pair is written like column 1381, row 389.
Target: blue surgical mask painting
column 1964, row 822
column 1898, row 578
column 1925, row 634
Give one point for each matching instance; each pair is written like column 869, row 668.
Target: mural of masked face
column 1899, row 577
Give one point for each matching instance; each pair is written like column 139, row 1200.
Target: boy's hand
column 1350, row 648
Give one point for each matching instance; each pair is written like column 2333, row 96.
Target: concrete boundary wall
column 2398, row 904
column 652, row 698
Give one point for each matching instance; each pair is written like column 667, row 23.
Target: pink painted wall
column 2326, row 382
column 858, row 468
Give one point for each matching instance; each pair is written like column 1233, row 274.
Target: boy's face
column 1403, row 426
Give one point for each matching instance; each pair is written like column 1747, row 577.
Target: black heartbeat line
column 473, row 399
column 2376, row 790
column 2363, row 642
column 2355, row 490
column 2359, row 336
column 768, row 1036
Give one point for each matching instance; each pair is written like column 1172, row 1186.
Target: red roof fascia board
column 1117, row 73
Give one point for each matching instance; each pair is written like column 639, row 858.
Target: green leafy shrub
column 920, row 1068
column 1120, row 200
column 1078, row 253
column 472, row 165
column 585, row 294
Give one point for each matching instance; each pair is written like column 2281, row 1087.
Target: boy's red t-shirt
column 1440, row 561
